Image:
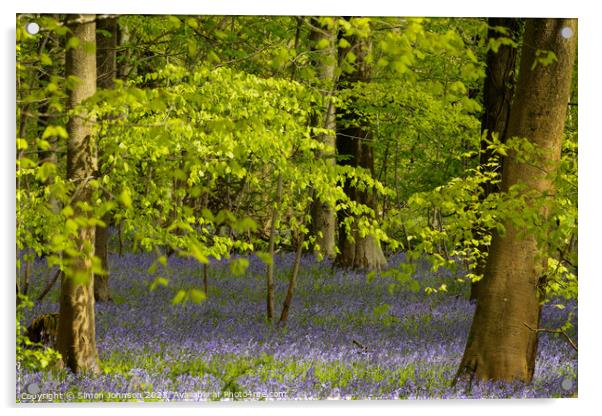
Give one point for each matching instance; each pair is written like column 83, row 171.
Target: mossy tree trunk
column 502, row 344
column 76, row 330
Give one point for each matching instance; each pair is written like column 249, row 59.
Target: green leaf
column 197, row 251
column 67, row 211
column 125, row 198
column 264, row 257
column 71, row 226
column 72, row 43
column 46, row 171
column 179, row 298
column 208, row 215
column 43, row 144
column 21, row 144
column 192, row 23
column 159, row 281
column 175, row 21
column 239, row 266
column 197, row 296
column 244, row 225
column 381, row 310
column 45, row 59
column 323, row 43
column 159, row 260
column 55, row 131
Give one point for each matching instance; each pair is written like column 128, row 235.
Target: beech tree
column 502, row 343
column 324, row 49
column 354, row 148
column 76, row 331
column 106, row 56
column 498, row 90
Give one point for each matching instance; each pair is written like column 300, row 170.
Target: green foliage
column 31, row 355
column 210, row 111
column 543, row 58
column 238, row 266
column 159, row 281
column 451, row 225
column 381, row 310
column 194, row 295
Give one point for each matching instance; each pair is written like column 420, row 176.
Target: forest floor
column 342, row 341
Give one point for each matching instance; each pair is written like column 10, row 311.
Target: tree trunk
column 26, row 274
column 124, row 57
column 205, row 280
column 292, row 282
column 77, row 338
column 120, row 238
column 106, row 56
column 325, row 60
column 497, row 97
column 101, row 280
column 500, row 345
column 354, row 143
column 270, row 266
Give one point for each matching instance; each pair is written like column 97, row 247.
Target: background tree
column 324, row 52
column 106, row 57
column 354, row 148
column 500, row 74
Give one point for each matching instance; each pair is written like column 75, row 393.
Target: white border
column 551, row 8
column 589, row 187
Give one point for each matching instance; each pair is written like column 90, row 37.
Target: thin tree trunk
column 49, row 285
column 501, row 345
column 101, row 280
column 354, row 142
column 497, row 97
column 277, row 203
column 26, row 274
column 293, row 281
column 76, row 330
column 124, row 68
column 382, row 177
column 205, row 280
column 120, row 238
column 325, row 60
column 106, row 56
column 270, row 266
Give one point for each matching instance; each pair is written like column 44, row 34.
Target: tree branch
column 49, row 286
column 554, row 331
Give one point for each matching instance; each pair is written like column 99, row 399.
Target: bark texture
column 498, row 91
column 106, row 57
column 500, row 345
column 354, row 143
column 325, row 60
column 76, row 331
